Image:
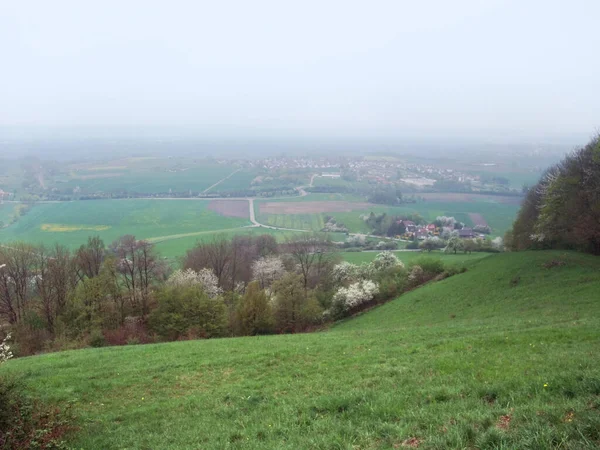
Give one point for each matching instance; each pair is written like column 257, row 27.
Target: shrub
column 414, row 245
column 430, row 266
column 386, row 260
column 27, row 424
column 97, row 339
column 354, row 295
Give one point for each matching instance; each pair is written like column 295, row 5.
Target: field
column 498, row 212
column 502, row 356
column 70, row 223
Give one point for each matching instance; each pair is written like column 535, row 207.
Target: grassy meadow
column 70, row 223
column 502, row 356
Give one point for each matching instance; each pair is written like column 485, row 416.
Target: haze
column 376, row 70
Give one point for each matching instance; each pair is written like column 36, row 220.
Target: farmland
column 474, row 361
column 70, row 223
column 498, row 212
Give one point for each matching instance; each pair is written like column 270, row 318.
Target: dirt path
column 220, row 181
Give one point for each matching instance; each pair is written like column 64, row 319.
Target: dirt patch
column 464, row 197
column 504, row 422
column 477, row 219
column 230, row 208
column 311, row 207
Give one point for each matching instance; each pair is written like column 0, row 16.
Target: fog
column 354, row 71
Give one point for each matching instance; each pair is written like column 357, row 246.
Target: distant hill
column 502, row 356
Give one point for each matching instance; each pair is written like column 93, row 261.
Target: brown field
column 230, row 208
column 311, row 207
column 464, row 197
column 477, row 219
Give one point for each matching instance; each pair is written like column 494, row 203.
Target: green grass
column 407, row 257
column 157, row 220
column 442, row 364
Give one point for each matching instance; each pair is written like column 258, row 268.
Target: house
column 431, row 228
column 409, row 225
column 422, row 234
column 467, row 233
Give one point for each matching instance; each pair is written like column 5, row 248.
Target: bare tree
column 310, row 253
column 138, row 267
column 89, row 257
column 55, row 278
column 15, row 280
column 216, row 255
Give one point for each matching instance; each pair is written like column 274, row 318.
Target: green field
column 152, row 180
column 70, row 223
column 502, row 356
column 409, row 256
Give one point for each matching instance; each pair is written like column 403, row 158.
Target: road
column 255, row 223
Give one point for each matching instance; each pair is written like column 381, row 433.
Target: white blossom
column 5, row 353
column 189, row 278
column 386, row 260
column 416, row 274
column 356, row 294
column 498, row 243
column 344, row 272
column 267, row 270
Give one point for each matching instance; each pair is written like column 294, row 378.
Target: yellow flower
column 545, row 385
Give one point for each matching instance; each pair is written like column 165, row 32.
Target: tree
column 215, row 255
column 16, row 275
column 311, row 254
column 455, row 244
column 386, row 260
column 184, row 310
column 469, row 246
column 88, row 258
column 204, row 279
column 255, row 315
column 138, row 266
column 563, row 209
column 267, row 269
column 294, row 310
column 55, row 279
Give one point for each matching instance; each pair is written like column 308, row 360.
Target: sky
column 376, row 69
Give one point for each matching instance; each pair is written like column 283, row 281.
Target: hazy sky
column 319, row 68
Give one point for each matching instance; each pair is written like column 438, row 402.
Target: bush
column 430, row 266
column 97, row 339
column 27, row 424
column 414, row 245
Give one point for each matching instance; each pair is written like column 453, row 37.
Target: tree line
column 52, row 298
column 563, row 209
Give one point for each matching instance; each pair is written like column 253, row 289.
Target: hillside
column 504, row 355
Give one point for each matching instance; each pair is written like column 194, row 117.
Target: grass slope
column 503, row 356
